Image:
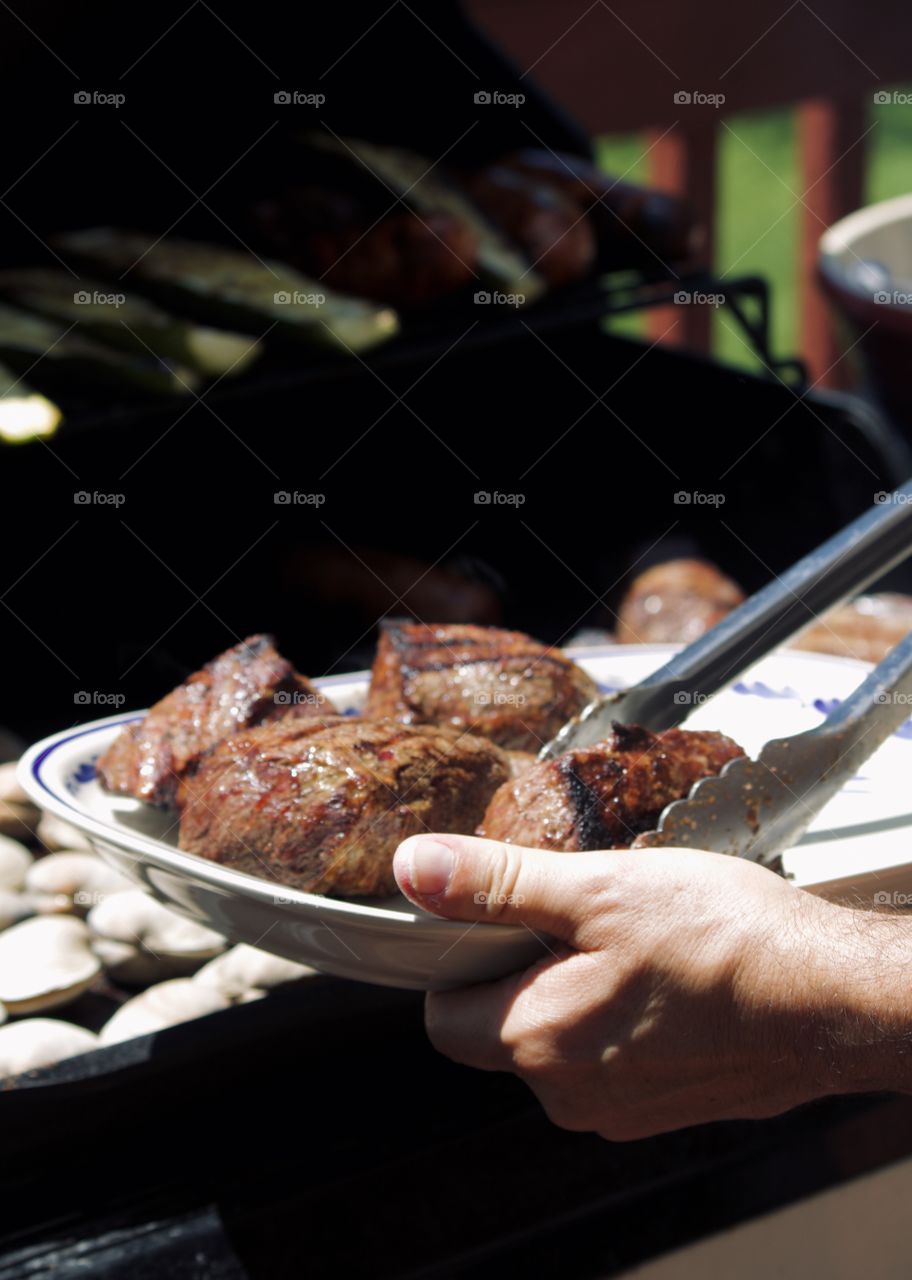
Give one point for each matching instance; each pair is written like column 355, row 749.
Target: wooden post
column 683, row 162
column 832, row 149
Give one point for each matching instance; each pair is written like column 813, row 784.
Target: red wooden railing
column 616, row 65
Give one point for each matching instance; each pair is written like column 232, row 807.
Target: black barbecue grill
column 301, row 1134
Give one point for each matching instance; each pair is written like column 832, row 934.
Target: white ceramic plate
column 861, row 844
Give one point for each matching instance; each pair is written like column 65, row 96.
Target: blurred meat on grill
column 555, row 235
column 866, row 628
column 394, row 256
column 675, row 602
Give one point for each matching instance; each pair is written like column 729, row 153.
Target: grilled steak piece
column 603, row 796
column 247, row 685
column 501, row 684
column 322, row 807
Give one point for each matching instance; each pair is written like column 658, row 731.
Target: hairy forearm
column 850, row 999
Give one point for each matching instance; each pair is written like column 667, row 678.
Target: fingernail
column 431, row 867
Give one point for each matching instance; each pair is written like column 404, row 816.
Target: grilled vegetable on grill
column 122, row 319
column 24, row 414
column 411, row 178
column 54, row 352
column 227, row 286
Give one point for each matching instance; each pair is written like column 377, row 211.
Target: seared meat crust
column 323, row 807
column 500, row 684
column 603, row 796
column 247, row 685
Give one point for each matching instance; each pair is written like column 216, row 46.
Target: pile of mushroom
column 72, row 928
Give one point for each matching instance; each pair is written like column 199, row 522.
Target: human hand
column 679, row 987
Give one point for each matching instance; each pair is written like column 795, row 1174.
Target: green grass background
column 751, row 200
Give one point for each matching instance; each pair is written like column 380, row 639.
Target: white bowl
column 859, row 844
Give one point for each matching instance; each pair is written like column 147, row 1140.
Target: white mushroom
column 15, row 861
column 72, row 881
column 45, row 962
column 13, row 908
column 244, row 969
column 40, row 1042
column 55, row 834
column 162, row 1006
column 139, row 940
column 129, row 964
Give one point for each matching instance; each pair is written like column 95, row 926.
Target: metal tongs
column 757, row 808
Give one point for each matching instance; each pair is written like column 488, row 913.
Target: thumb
column 467, row 878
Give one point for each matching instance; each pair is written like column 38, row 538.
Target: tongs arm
column 758, row 808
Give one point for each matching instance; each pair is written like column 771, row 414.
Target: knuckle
column 449, row 1037
column 439, row 1030
column 503, row 880
column 531, row 1055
